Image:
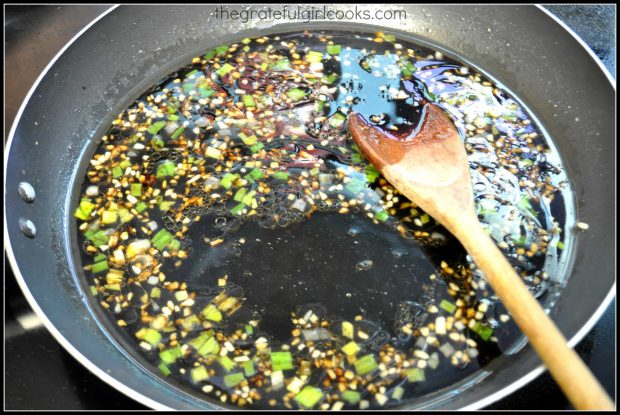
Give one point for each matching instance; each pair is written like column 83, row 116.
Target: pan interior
column 341, row 266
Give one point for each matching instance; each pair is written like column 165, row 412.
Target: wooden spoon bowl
column 429, row 166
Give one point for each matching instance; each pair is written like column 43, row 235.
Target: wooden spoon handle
column 573, row 376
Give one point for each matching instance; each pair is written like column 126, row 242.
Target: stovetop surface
column 40, row 374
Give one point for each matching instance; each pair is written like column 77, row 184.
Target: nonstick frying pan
column 131, row 47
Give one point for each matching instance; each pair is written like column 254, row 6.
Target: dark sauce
column 379, row 265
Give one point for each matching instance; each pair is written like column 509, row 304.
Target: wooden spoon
column 429, row 166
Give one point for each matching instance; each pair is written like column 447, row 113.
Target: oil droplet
column 364, row 265
column 220, row 222
column 353, row 231
column 26, row 192
column 27, row 227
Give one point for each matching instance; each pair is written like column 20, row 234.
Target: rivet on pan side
column 26, row 192
column 27, row 227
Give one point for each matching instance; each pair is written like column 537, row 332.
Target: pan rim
column 100, row 373
column 525, row 379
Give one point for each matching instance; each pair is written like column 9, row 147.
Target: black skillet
column 130, row 48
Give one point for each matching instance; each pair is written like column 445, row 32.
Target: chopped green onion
column 224, row 69
column 190, row 323
column 136, row 189
column 117, row 172
column 233, row 379
column 165, row 206
column 309, row 396
column 141, row 207
column 228, row 179
column 389, row 38
column 560, row 245
column 509, row 116
column 175, row 244
column 238, row 197
column 156, row 127
column 192, row 73
column 177, row 133
column 93, row 291
column 296, row 94
column 337, row 120
column 280, row 175
column 282, row 64
column 205, row 344
column 124, row 164
column 415, row 374
column 281, row 361
column 157, row 142
column 211, row 312
column 328, row 79
column 314, row 56
column 248, row 140
column 255, row 174
column 249, row 330
column 526, row 206
column 348, row 330
column 206, row 92
column 220, row 50
column 352, row 397
column 257, row 147
column 164, row 369
column 100, row 258
column 381, row 215
column 398, row 393
column 85, row 209
column 485, row 332
column 108, row 217
column 248, row 368
column 152, row 336
column 226, row 363
column 372, row 174
column 365, row 364
column 248, row 101
column 98, row 238
column 350, row 349
column 169, row 356
column 124, row 215
column 248, row 199
column 100, row 267
column 448, row 306
column 237, row 209
column 333, row 49
column 165, row 169
column 198, row 374
column 161, row 239
column 408, row 69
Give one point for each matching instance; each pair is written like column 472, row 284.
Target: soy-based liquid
column 235, row 234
